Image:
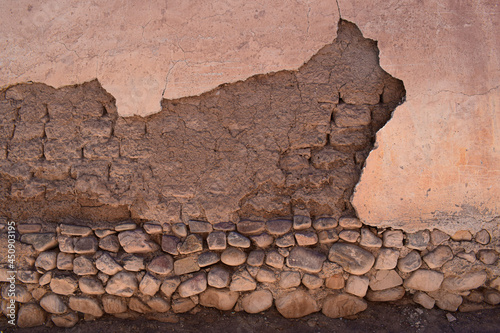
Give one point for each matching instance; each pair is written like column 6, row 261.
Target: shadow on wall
column 284, row 143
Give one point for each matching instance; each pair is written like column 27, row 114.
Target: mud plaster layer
column 273, row 145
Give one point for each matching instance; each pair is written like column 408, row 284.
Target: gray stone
column 286, row 240
column 438, row 237
column 63, row 284
column 152, row 228
column 114, row 304
column 274, row 259
column 169, row 285
column 66, row 243
column 208, row 258
column 46, row 261
column 225, row 226
column 423, row 299
column 65, row 261
column 386, row 295
column 352, row 258
column 424, row 280
column 350, row 223
column 83, row 265
column 136, row 241
column 357, row 285
column 418, row 240
column 169, row 244
column 410, row 262
column 325, row 223
column 465, row 282
column 278, row 227
column 328, row 236
column 179, row 229
column 133, row 263
column 257, row 301
column 28, row 276
column 369, row 239
column 343, row 305
column 193, row 243
column 301, row 222
column 66, row 320
column 289, row 279
column 483, row 237
column 312, row 281
column 106, row 264
column 296, row 304
column 199, row 227
column 125, row 226
column 266, row 275
column 488, row 257
column 350, row 236
column 218, row 277
column 285, row 252
column 393, row 238
column 161, row 265
column 223, row 300
column 186, row 265
column 237, row 240
column 306, row 238
column 385, row 280
column 242, row 281
column 217, row 240
column 122, row 284
column 469, row 256
column 21, row 294
column 109, row 243
column 305, row 259
column 262, row 240
column 85, row 305
column 387, row 259
column 438, row 257
column 233, row 257
column 250, row 228
column 193, row 286
column 74, row 230
column 256, row 258
column 158, row 304
column 40, row 241
column 149, row 285
column 86, row 245
column 90, row 285
column 30, row 315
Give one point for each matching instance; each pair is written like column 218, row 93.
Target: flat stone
column 74, row 230
column 312, row 281
column 328, row 236
column 343, row 305
column 274, row 259
column 169, row 285
column 133, row 263
column 448, row 302
column 218, row 277
column 28, row 276
column 90, row 285
column 278, row 227
column 306, row 238
column 169, row 244
column 208, row 258
column 137, row 305
column 85, row 305
column 101, row 233
column 352, row 258
column 393, row 238
column 296, row 304
column 301, row 222
column 114, row 304
column 21, row 294
column 181, row 305
column 237, row 240
column 410, row 262
column 193, row 286
column 488, row 257
column 30, row 315
column 186, row 265
column 40, row 241
column 83, row 265
column 465, row 282
column 250, row 228
column 256, row 258
column 122, row 284
column 386, row 295
column 482, row 237
column 149, row 285
column 179, row 229
column 350, row 236
column 387, row 259
column 423, row 299
column 63, row 284
column 225, row 226
column 136, row 241
column 286, row 240
column 46, row 261
column 106, row 264
column 217, row 241
column 438, row 237
column 86, row 245
column 158, row 304
column 161, row 265
column 462, row 235
column 200, row 227
column 289, row 279
column 424, row 280
column 53, row 303
column 438, row 257
column 305, row 259
column 64, row 261
column 193, row 243
column 125, row 226
column 385, row 280
column 266, row 275
column 357, row 285
column 66, row 320
column 233, row 257
column 369, row 239
column 262, row 240
column 29, row 228
column 257, row 301
column 152, row 228
column 223, row 300
column 418, row 240
column 350, row 223
column 242, row 281
column 109, row 243
column 325, row 223
column 66, row 243
column 45, row 279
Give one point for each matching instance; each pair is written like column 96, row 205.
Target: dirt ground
column 380, row 317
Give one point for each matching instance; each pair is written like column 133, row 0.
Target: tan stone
column 219, row 298
column 385, row 280
column 343, row 305
column 257, row 301
column 296, row 304
column 424, row 280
